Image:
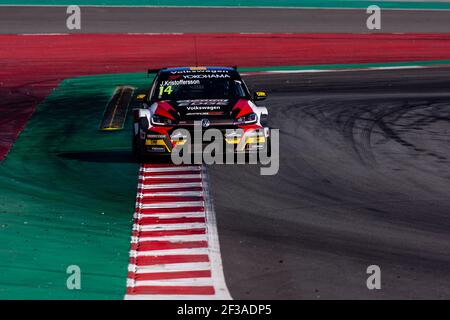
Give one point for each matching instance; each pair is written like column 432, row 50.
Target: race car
column 209, row 97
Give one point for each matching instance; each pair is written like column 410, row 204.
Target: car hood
column 202, row 108
column 216, row 110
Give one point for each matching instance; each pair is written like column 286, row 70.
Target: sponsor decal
column 156, row 136
column 202, row 102
column 196, row 70
column 201, row 108
column 174, row 77
column 205, row 76
column 215, row 113
column 205, row 123
column 179, row 82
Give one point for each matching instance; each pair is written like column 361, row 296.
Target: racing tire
column 136, row 143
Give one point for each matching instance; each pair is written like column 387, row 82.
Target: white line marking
column 170, row 185
column 172, row 282
column 134, row 253
column 172, row 176
column 301, row 71
column 170, row 215
column 341, row 69
column 154, row 33
column 165, row 205
column 189, row 266
column 44, row 34
column 169, row 226
column 193, row 237
column 171, row 169
column 173, row 194
column 394, row 68
column 250, row 73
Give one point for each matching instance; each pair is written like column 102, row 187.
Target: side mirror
column 259, row 95
column 141, row 97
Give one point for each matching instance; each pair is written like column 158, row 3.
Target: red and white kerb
column 175, row 250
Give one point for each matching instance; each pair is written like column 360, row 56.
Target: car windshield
column 175, row 87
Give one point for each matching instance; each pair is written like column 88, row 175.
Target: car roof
column 199, row 69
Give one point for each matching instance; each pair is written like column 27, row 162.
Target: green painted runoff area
column 67, row 195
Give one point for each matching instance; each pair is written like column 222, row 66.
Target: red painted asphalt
column 31, row 65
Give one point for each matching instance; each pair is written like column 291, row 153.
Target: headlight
column 249, row 118
column 162, row 121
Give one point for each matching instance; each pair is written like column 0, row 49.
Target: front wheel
column 137, row 148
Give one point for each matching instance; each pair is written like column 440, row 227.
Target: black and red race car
column 209, row 97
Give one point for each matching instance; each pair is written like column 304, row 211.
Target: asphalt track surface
column 364, row 180
column 216, row 20
column 364, row 169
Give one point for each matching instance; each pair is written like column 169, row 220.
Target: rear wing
column 154, row 71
